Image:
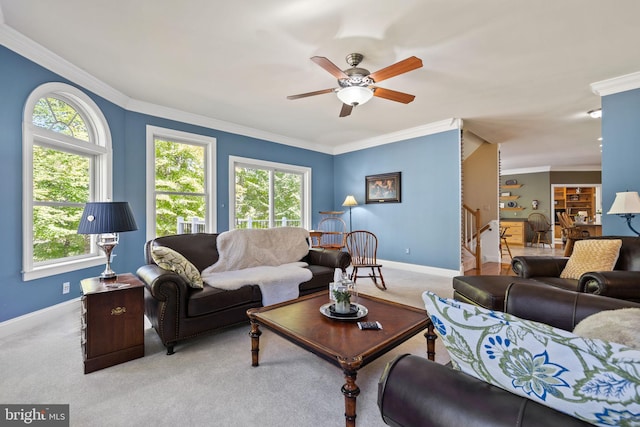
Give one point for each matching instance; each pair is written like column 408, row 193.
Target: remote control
column 370, row 325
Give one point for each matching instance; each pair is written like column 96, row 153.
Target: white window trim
column 101, row 181
column 209, row 143
column 306, row 185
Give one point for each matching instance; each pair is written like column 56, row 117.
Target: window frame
column 98, row 147
column 273, row 166
column 209, row 144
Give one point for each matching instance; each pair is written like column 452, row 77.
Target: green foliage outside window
column 180, row 180
column 56, row 115
column 252, row 198
column 61, row 185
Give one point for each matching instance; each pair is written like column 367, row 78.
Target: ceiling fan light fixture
column 355, row 95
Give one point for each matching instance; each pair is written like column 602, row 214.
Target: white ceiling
column 517, row 72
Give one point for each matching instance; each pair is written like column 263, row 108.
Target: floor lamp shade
column 106, row 220
column 351, row 202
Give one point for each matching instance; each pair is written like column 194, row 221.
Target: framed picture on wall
column 382, row 188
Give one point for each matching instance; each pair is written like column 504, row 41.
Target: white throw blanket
column 277, row 284
column 267, row 258
column 246, row 248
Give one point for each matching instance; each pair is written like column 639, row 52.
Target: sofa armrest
column 616, row 284
column 414, row 391
column 557, row 307
column 328, row 258
column 162, row 284
column 538, row 266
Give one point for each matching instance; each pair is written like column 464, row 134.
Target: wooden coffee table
column 341, row 342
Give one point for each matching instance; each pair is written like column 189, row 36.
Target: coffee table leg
column 350, row 389
column 431, row 337
column 255, row 342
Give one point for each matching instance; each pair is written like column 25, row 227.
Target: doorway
column 582, row 202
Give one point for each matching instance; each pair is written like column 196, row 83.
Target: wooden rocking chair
column 362, row 246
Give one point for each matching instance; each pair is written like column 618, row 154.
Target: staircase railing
column 471, row 232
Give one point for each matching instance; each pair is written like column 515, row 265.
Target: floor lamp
column 625, row 205
column 350, row 201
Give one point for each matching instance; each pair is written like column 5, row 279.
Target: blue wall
column 427, row 220
column 128, row 131
column 620, row 155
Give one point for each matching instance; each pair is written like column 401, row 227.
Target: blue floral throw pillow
column 593, row 380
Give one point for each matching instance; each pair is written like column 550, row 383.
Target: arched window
column 67, row 162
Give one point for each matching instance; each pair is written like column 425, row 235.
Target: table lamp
column 351, row 202
column 626, row 204
column 107, row 219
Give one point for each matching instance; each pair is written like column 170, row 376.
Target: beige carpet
column 208, row 382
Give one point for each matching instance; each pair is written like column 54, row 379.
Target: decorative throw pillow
column 619, row 326
column 593, row 380
column 592, row 255
column 171, row 260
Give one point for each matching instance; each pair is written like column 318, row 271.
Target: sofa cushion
column 591, row 255
column 485, row 291
column 619, row 326
column 592, row 380
column 171, row 260
column 210, row 300
column 199, row 248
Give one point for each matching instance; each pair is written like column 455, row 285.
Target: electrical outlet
column 406, row 251
column 66, row 286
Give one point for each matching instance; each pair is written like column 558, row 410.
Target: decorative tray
column 358, row 311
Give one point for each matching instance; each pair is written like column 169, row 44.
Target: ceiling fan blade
column 330, row 67
column 317, row 92
column 401, row 67
column 393, row 95
column 346, row 110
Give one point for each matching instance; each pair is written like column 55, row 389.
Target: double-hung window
column 66, row 163
column 180, row 182
column 265, row 194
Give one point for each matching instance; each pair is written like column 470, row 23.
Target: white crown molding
column 42, row 56
column 402, row 135
column 616, row 84
column 541, row 169
column 208, row 122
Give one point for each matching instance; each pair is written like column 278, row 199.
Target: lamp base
column 108, row 277
column 629, row 217
column 107, row 242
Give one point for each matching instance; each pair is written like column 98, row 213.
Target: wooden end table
column 341, row 343
column 112, row 321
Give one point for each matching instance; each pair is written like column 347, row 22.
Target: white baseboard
column 36, row 318
column 436, row 271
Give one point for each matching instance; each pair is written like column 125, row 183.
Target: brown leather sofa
column 416, row 392
column 178, row 311
column 623, row 282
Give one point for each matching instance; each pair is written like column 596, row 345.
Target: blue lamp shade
column 106, row 217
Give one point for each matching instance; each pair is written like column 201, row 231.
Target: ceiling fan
column 356, row 85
